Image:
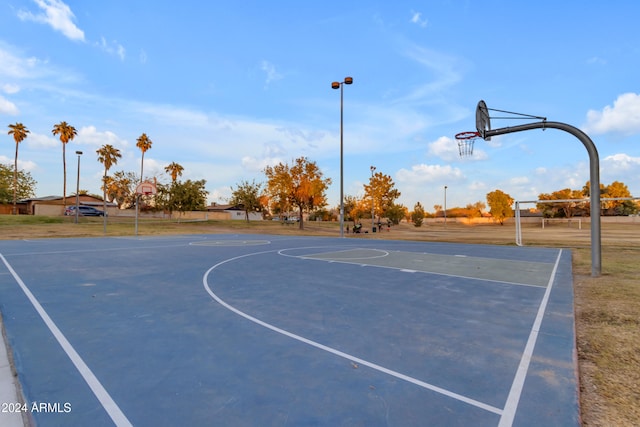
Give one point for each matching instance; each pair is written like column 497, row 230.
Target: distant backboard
column 147, row 188
column 483, row 121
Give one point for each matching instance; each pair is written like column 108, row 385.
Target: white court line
column 339, row 353
column 389, row 267
column 97, row 250
column 509, row 412
column 92, row 381
column 346, row 259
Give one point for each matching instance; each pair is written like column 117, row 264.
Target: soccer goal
column 574, row 222
column 562, row 222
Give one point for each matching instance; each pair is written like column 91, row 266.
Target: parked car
column 83, row 211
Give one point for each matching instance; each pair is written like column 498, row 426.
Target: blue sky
column 227, row 88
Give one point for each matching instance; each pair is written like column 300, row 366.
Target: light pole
column 445, row 206
column 339, row 85
column 79, row 153
column 373, row 168
column 104, row 202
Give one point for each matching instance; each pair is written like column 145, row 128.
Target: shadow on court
column 253, row 330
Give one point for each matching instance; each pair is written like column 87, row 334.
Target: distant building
column 216, row 211
column 52, row 205
column 530, row 213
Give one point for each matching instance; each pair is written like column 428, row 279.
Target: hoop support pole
column 594, row 180
column 518, row 230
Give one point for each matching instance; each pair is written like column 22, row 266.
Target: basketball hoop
column 465, row 142
column 146, row 188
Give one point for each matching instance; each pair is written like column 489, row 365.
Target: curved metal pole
column 518, row 231
column 594, row 169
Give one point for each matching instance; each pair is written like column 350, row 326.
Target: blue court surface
column 255, row 330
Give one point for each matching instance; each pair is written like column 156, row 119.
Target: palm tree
column 19, row 132
column 144, row 144
column 108, row 155
column 67, row 133
column 175, row 170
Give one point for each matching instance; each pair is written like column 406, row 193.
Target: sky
column 226, row 88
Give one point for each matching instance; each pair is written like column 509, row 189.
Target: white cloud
column 623, row 117
column 8, row 107
column 254, row 164
column 270, row 71
column 447, row 149
column 621, row 161
column 519, row 180
column 10, row 88
column 41, row 141
column 446, row 71
column 26, row 165
column 478, row 187
column 425, row 183
column 15, row 67
column 57, row 15
column 428, row 173
column 233, row 138
column 112, row 48
column 173, row 115
column 89, row 135
column 623, row 168
column 219, row 195
column 33, row 73
column 416, row 18
column 152, row 167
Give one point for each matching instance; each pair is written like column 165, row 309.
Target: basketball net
column 465, row 143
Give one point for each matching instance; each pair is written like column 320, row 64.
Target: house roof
column 42, row 199
column 217, row 207
column 97, row 200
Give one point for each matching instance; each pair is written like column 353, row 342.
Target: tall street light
column 373, row 168
column 445, row 206
column 104, row 202
column 79, row 153
column 340, row 85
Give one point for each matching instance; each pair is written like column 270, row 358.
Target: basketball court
column 256, row 330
